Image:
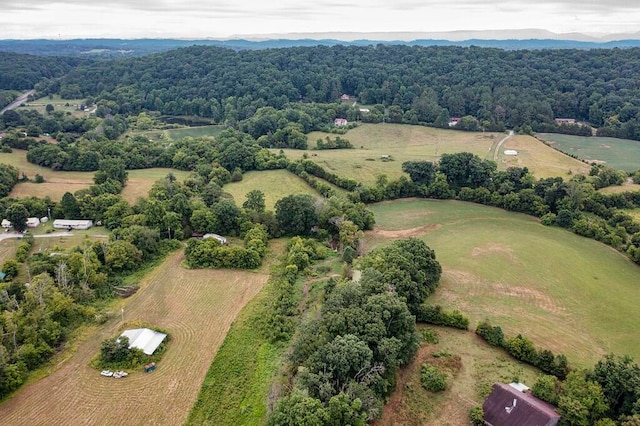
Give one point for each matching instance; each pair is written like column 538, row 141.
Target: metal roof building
column 508, row 406
column 145, row 339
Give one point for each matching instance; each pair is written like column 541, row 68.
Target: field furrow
column 195, row 306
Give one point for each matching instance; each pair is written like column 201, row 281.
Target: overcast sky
column 223, row 18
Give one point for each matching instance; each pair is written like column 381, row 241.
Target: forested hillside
column 416, row 84
column 21, row 72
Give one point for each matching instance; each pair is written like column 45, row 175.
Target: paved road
column 21, row 99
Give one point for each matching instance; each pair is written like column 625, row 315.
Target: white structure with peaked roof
column 144, row 338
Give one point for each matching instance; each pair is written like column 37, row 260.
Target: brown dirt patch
column 195, row 306
column 405, row 233
column 492, row 248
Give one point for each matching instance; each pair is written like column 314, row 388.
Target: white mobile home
column 6, row 224
column 72, row 224
column 33, row 222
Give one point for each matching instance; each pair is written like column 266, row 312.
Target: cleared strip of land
column 195, row 306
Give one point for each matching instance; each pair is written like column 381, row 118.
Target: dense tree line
column 345, row 360
column 22, row 72
column 8, row 179
column 496, row 88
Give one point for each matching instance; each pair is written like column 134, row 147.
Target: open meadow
column 194, row 132
column 623, row 154
column 541, row 160
column 472, row 366
column 195, row 306
column 400, row 142
column 567, row 293
column 140, row 181
column 58, row 182
column 403, row 143
column 8, row 249
column 275, row 184
column 67, row 105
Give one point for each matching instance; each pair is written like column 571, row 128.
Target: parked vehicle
column 106, row 373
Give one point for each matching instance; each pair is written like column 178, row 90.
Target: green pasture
column 567, row 293
column 275, row 184
column 59, row 104
column 622, row 154
column 400, row 142
column 195, row 132
column 627, row 187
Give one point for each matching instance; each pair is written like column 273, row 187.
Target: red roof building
column 508, row 406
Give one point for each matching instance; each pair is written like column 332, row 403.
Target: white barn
column 144, row 339
column 73, row 224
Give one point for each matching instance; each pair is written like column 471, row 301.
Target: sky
column 65, row 19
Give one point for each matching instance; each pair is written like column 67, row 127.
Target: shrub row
column 435, row 315
column 523, row 350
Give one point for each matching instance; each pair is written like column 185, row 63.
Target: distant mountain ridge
column 501, row 39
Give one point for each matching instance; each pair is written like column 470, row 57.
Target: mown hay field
column 567, row 293
column 141, row 181
column 8, row 249
column 58, row 182
column 195, row 306
column 400, row 142
column 541, row 160
column 623, row 154
column 275, row 184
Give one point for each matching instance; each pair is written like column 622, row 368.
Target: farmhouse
column 33, row 222
column 72, row 224
column 454, row 121
column 510, row 405
column 6, row 224
column 220, row 238
column 340, row 122
column 144, row 339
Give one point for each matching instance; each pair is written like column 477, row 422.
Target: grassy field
column 623, row 154
column 141, row 181
column 627, row 187
column 59, row 104
column 635, row 213
column 275, row 184
column 8, row 249
column 542, row 160
column 56, row 183
column 196, row 306
column 194, row 132
column 469, row 382
column 401, row 142
column 568, row 293
column 405, row 143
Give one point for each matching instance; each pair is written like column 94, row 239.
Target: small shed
column 44, row 219
column 72, row 224
column 508, row 406
column 144, row 339
column 33, row 222
column 222, row 240
column 6, row 224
